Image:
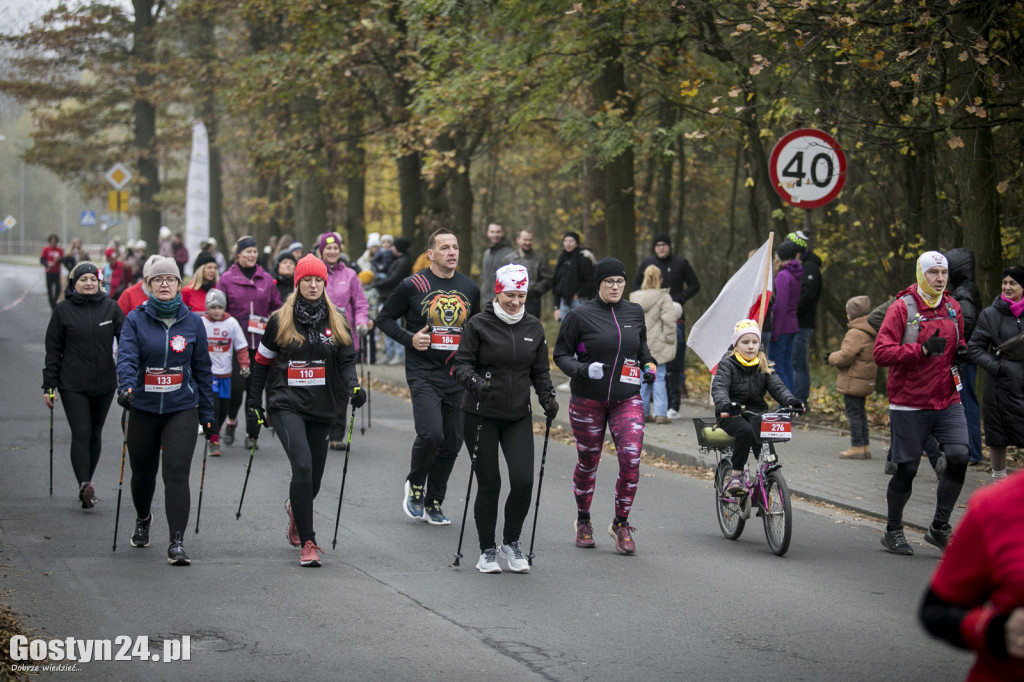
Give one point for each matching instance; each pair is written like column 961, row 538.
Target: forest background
column 617, row 119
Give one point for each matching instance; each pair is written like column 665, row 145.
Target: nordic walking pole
column 51, row 396
column 472, row 467
column 202, row 480
column 248, row 468
column 120, row 478
column 369, row 398
column 344, row 473
column 540, row 483
column 364, row 356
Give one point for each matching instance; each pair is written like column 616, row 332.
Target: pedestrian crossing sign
column 88, row 219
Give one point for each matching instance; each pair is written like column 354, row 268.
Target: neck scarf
column 165, row 309
column 743, row 361
column 1016, row 307
column 310, row 314
column 505, row 317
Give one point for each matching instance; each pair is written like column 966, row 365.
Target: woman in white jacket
column 660, row 315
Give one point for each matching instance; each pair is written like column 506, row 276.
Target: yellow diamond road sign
column 118, row 175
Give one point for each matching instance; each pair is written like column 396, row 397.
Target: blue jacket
column 147, row 343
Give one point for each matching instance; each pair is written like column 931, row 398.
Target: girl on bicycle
column 743, row 376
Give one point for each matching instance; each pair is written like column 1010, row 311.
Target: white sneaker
column 513, row 554
column 563, row 387
column 488, row 562
column 672, row 414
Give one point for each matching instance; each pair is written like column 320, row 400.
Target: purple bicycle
column 766, row 489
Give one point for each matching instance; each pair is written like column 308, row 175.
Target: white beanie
column 511, row 277
column 373, row 239
column 744, row 327
column 931, row 259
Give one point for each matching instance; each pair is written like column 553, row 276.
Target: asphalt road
column 386, row 605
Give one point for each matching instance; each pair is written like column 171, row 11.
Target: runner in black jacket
column 602, row 347
column 435, row 303
column 303, row 359
column 508, row 343
column 80, row 362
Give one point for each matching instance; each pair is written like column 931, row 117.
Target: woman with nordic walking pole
column 509, row 344
column 306, row 361
column 602, row 348
column 166, row 384
column 80, row 364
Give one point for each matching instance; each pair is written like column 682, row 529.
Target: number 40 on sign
column 807, row 168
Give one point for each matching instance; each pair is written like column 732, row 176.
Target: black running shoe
column 895, row 542
column 140, row 538
column 176, row 555
column 939, row 536
column 229, row 432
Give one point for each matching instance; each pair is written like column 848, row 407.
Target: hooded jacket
column 916, row 381
column 963, row 287
column 660, row 318
column 1004, row 390
column 80, row 344
column 574, row 276
column 614, row 335
column 857, row 369
column 148, row 344
column 256, row 296
column 810, row 290
column 786, row 299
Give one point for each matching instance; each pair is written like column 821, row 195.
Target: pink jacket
column 916, row 381
column 345, row 291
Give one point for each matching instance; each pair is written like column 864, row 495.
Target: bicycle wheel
column 778, row 513
column 730, row 518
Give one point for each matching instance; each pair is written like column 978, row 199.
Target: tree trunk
column 355, row 201
column 144, row 55
column 310, row 194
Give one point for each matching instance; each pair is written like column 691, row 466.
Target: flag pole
column 763, row 309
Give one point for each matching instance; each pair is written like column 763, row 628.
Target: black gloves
column 734, row 409
column 208, row 430
column 551, row 409
column 826, row 356
column 358, row 397
column 255, row 417
column 963, row 356
column 933, row 346
column 650, row 378
column 480, row 388
column 796, row 405
column 125, row 398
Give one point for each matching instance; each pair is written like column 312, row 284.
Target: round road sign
column 808, row 168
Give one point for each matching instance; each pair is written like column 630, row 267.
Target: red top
column 51, row 258
column 983, row 570
column 195, row 299
column 914, row 380
column 132, row 298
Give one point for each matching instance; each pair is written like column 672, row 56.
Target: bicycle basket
column 776, row 427
column 711, row 435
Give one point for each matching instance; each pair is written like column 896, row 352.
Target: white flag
column 197, row 195
column 711, row 336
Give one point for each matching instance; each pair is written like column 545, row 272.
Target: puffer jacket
column 345, row 291
column 256, row 296
column 924, row 383
column 735, row 383
column 516, row 355
column 1004, row 390
column 857, row 369
column 660, row 318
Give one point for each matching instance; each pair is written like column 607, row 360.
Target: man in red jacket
column 51, row 259
column 924, row 395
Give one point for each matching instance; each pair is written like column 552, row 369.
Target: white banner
column 197, row 194
column 711, row 335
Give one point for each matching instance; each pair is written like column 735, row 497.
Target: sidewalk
column 810, row 461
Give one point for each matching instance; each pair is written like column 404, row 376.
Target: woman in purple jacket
column 252, row 296
column 345, row 291
column 784, row 326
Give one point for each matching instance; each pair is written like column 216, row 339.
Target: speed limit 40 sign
column 808, row 168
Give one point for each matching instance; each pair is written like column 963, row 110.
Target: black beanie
column 663, row 237
column 787, row 250
column 402, row 244
column 244, row 243
column 83, row 268
column 284, row 255
column 1016, row 273
column 574, row 235
column 608, row 267
column 202, row 259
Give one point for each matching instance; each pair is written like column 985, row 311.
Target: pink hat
column 744, row 327
column 511, row 277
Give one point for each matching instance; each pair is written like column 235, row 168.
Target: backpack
column 913, row 326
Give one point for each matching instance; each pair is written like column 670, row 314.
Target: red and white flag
column 711, row 336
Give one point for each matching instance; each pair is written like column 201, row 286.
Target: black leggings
column 86, row 415
column 305, row 443
column 742, row 430
column 239, row 384
column 437, row 416
column 950, row 485
column 516, row 440
column 176, row 434
column 53, row 288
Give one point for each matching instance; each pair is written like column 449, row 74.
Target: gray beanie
column 162, row 265
column 215, row 298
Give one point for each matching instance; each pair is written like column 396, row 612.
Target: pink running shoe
column 293, row 530
column 623, row 534
column 310, row 555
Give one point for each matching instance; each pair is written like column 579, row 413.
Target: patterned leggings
column 625, row 420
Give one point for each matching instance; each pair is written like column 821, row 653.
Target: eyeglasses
column 614, row 282
column 159, row 281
